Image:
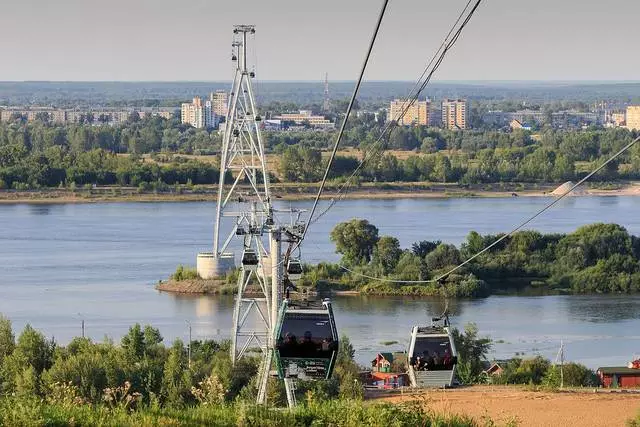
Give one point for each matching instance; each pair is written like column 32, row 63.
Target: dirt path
column 505, row 405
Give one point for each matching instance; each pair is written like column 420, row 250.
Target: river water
column 63, row 263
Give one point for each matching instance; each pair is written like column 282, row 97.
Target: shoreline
column 305, row 192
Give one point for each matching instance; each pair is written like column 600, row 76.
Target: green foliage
column 301, row 164
column 355, row 240
column 184, row 273
column 7, row 339
column 472, row 353
column 595, row 258
column 540, row 371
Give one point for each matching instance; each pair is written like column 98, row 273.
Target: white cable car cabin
column 249, row 259
column 306, row 341
column 432, row 356
column 294, row 269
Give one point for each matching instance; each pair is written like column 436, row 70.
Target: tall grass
column 347, row 413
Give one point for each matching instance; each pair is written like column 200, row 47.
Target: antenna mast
column 327, row 101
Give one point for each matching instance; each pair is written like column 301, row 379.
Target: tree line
column 596, row 258
column 42, row 154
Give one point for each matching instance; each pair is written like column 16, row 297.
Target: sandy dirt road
column 519, row 406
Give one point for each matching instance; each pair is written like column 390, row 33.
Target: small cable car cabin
column 250, row 259
column 306, row 341
column 432, row 356
column 294, row 269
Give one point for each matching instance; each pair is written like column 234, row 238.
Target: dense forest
column 41, row 154
column 597, row 258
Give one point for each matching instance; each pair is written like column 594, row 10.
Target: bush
column 184, row 273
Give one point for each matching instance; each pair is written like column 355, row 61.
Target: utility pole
column 561, row 364
column 81, row 323
column 189, row 347
column 560, row 357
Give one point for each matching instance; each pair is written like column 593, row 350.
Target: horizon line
column 577, row 81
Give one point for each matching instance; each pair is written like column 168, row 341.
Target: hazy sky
column 303, row 39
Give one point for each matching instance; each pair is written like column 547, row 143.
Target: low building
column 382, row 362
column 516, row 124
column 304, row 117
column 619, row 377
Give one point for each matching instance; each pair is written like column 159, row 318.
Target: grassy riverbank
column 301, row 191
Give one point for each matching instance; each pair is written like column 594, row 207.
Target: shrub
column 184, row 273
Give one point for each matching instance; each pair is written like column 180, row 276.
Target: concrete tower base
column 210, row 267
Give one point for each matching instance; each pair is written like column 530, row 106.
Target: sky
column 168, row 40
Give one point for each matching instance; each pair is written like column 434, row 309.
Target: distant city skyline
column 158, row 40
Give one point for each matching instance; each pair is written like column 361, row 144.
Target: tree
column 133, row 343
column 176, row 378
column 34, row 349
column 423, row 247
column 355, row 240
column 472, row 352
column 387, row 253
column 7, row 339
column 443, row 256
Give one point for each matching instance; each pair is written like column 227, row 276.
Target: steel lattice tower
column 244, row 209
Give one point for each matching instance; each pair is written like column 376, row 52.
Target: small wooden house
column 619, row 377
column 382, row 362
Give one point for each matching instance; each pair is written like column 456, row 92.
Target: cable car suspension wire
column 422, row 82
column 505, row 236
column 346, row 117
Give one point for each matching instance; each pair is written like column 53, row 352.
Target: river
column 64, row 263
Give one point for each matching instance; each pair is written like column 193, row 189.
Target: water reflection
column 40, row 209
column 603, row 309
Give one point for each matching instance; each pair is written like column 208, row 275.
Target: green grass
column 31, row 412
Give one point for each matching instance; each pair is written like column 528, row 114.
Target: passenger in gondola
column 437, row 362
column 308, row 347
column 428, row 361
column 325, row 346
column 290, row 344
column 446, row 360
column 418, row 365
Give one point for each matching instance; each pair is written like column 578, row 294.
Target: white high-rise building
column 198, row 114
column 220, row 101
column 455, row 114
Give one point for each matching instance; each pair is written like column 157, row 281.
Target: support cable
column 421, row 84
column 505, row 236
column 346, row 118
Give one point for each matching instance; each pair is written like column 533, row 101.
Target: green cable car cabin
column 306, row 341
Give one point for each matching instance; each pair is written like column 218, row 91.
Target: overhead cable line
column 505, row 236
column 346, row 118
column 422, row 82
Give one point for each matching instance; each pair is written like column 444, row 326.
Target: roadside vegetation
column 596, row 258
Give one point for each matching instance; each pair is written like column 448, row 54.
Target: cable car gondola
column 250, row 259
column 294, row 269
column 306, row 341
column 432, row 355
